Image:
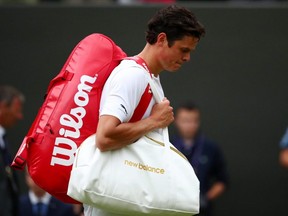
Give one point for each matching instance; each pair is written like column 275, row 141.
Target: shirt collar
column 2, row 132
column 34, row 199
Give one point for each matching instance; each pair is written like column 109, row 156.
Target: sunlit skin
column 11, row 114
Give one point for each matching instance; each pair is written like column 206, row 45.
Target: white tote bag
column 149, row 176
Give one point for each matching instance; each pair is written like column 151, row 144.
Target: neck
column 39, row 195
column 188, row 141
column 149, row 55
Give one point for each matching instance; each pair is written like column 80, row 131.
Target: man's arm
column 283, row 157
column 216, row 190
column 112, row 134
column 220, row 175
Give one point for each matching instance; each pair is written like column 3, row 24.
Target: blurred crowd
column 204, row 155
column 124, row 1
column 13, row 202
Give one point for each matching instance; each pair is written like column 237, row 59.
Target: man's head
column 11, row 101
column 176, row 32
column 187, row 120
column 39, row 192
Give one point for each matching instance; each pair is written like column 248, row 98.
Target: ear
column 2, row 106
column 162, row 39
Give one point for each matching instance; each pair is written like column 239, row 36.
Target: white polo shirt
column 124, row 89
column 120, row 97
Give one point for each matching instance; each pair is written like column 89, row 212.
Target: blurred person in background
column 283, row 157
column 15, row 2
column 156, row 1
column 205, row 156
column 38, row 202
column 11, row 102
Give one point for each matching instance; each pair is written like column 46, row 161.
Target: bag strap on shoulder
column 147, row 95
column 150, row 91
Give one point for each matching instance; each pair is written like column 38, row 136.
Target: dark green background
column 238, row 76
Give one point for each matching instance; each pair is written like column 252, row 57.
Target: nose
column 186, row 57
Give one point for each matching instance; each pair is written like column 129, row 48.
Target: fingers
column 165, row 101
column 163, row 113
column 165, row 104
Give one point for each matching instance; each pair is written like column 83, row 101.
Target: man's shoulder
column 211, row 147
column 128, row 72
column 129, row 63
column 57, row 208
column 25, row 205
column 59, row 205
column 24, row 199
column 57, row 202
column 176, row 140
column 211, row 144
column 129, row 68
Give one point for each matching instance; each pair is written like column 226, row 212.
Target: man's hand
column 283, row 158
column 162, row 114
column 112, row 134
column 216, row 190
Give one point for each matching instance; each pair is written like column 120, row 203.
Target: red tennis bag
column 70, row 114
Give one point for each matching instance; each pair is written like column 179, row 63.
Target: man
column 283, row 157
column 11, row 101
column 171, row 35
column 39, row 203
column 204, row 156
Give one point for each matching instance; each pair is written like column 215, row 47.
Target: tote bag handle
column 158, row 99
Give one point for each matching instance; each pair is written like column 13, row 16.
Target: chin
column 172, row 69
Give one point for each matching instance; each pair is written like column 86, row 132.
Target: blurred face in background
column 11, row 114
column 187, row 122
column 39, row 192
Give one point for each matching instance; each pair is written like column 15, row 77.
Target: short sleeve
column 284, row 140
column 122, row 92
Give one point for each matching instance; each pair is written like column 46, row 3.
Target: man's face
column 10, row 115
column 187, row 122
column 173, row 57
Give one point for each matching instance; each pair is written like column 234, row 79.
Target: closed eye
column 185, row 50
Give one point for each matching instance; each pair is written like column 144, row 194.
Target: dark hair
column 8, row 93
column 189, row 105
column 176, row 22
